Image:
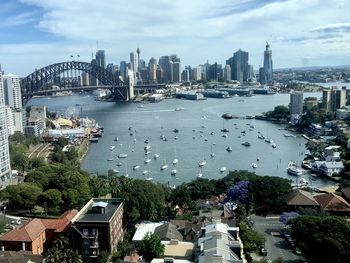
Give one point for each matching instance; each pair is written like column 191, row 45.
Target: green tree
column 316, row 148
column 60, row 252
column 99, row 186
column 22, row 196
column 53, row 199
column 252, row 241
column 151, row 247
column 322, row 239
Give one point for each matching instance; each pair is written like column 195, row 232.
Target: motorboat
column 147, row 152
column 146, row 141
column 227, row 116
column 110, row 159
column 144, row 172
column 258, row 159
column 202, row 163
column 224, row 136
column 175, row 161
column 118, row 164
column 254, row 165
column 164, row 167
column 135, row 167
column 199, row 175
column 116, row 139
column 289, row 135
column 173, row 172
column 176, row 130
column 149, row 178
column 292, row 169
column 229, row 148
column 115, row 171
column 156, row 156
column 222, row 169
column 111, row 147
column 147, row 160
column 147, row 147
column 273, row 145
column 122, row 155
column 212, row 154
column 246, row 144
column 224, row 130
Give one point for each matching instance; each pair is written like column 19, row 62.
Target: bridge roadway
column 90, row 88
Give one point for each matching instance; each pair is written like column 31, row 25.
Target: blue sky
column 36, row 33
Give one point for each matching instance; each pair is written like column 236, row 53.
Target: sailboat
column 212, row 154
column 149, row 178
column 223, row 127
column 202, row 163
column 126, row 170
column 199, row 175
column 175, row 161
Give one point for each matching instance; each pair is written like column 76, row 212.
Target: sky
column 37, row 33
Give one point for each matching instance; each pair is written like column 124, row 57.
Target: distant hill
column 313, row 68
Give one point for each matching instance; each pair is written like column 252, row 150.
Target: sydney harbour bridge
column 68, row 76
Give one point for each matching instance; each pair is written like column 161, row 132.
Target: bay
column 194, row 142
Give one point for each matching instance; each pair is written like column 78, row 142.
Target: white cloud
column 194, row 29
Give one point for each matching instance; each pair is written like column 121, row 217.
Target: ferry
column 293, row 170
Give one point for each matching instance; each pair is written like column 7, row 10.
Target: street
column 275, row 245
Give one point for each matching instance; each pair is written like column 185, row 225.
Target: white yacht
column 173, row 172
column 202, row 163
column 199, row 175
column 122, row 155
column 164, row 167
column 292, row 169
column 254, row 165
column 135, row 167
column 222, row 169
column 111, row 147
column 156, row 156
column 175, row 161
column 147, row 161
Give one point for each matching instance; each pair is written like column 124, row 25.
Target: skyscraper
column 227, row 72
column 12, row 91
column 240, row 66
column 152, row 67
column 101, row 58
column 138, row 59
column 333, row 99
column 5, row 168
column 167, row 67
column 296, row 103
column 176, row 68
column 267, row 72
column 133, row 62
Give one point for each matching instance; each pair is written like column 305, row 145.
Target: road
column 275, row 245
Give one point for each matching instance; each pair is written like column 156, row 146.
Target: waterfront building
column 197, row 73
column 101, row 58
column 343, row 114
column 85, row 80
column 296, row 103
column 333, row 99
column 227, row 72
column 185, row 75
column 5, row 168
column 98, row 227
column 266, row 73
column 152, row 67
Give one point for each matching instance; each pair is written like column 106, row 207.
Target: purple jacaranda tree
column 239, row 192
column 286, row 216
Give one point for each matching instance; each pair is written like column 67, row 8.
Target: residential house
column 19, row 257
column 98, row 227
column 346, row 193
column 333, row 204
column 301, row 199
column 328, row 168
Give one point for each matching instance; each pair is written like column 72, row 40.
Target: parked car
column 16, row 222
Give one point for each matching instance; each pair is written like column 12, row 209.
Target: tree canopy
column 151, row 247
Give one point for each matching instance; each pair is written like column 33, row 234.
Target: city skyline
column 37, row 33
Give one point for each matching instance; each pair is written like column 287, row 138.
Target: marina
column 198, row 139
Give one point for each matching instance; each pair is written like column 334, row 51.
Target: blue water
column 194, row 143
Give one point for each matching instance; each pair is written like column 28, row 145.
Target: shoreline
column 86, row 149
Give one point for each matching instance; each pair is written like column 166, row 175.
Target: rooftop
column 332, row 202
column 144, row 228
column 301, row 198
column 98, row 210
column 174, row 248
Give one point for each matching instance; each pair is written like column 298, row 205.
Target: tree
column 252, row 241
column 151, row 247
column 60, row 252
column 239, row 192
column 99, row 186
column 316, row 148
column 322, row 239
column 22, row 196
column 52, row 198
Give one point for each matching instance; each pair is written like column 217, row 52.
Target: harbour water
column 198, row 123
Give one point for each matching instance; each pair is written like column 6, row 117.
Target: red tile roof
column 27, row 232
column 332, row 202
column 34, row 227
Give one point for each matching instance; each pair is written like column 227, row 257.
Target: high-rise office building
column 5, row 168
column 133, row 62
column 123, row 70
column 239, row 66
column 176, row 68
column 197, row 73
column 12, row 91
column 185, row 75
column 227, row 72
column 296, row 103
column 101, row 58
column 166, row 65
column 266, row 73
column 152, row 67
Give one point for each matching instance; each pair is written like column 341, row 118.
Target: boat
column 289, row 135
column 267, row 140
column 144, row 172
column 156, row 156
column 147, row 161
column 115, row 171
column 146, row 141
column 175, row 161
column 116, row 139
column 273, row 145
column 111, row 147
column 229, row 148
column 110, row 159
column 118, row 164
column 173, row 172
column 147, row 147
column 258, row 159
column 246, row 144
column 303, row 182
column 140, row 106
column 199, row 175
column 176, row 130
column 254, row 165
column 147, row 152
column 135, row 167
column 202, row 163
column 149, row 178
column 122, row 155
column 164, row 167
column 224, row 130
column 212, row 133
column 261, row 137
column 212, row 154
column 224, row 135
column 222, row 169
column 227, row 116
column 179, row 108
column 292, row 169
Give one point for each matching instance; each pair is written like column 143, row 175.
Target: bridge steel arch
column 36, row 81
